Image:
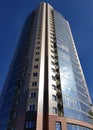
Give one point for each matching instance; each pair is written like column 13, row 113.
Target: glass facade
column 16, row 79
column 74, row 93
column 76, row 127
column 45, row 85
column 58, row 126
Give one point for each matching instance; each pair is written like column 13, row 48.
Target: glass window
column 69, row 127
column 35, row 74
column 13, row 128
column 52, row 51
column 76, row 127
column 58, row 126
column 37, row 47
column 53, row 77
column 52, row 62
column 36, row 59
column 54, row 98
column 52, row 47
column 53, row 69
column 32, row 94
column 37, row 53
column 30, row 124
column 52, row 57
column 53, row 87
column 15, row 114
column 35, row 66
column 34, row 83
column 54, row 109
column 32, row 107
column 38, row 42
column 73, row 127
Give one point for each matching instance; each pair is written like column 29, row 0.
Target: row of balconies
column 57, row 75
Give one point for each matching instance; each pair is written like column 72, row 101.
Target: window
column 51, row 37
column 16, row 102
column 53, row 77
column 52, row 57
column 58, row 125
column 54, row 110
column 52, row 46
column 53, row 87
column 53, row 69
column 37, row 53
column 38, row 42
column 30, row 124
column 36, row 59
column 32, row 107
column 32, row 95
column 35, row 74
column 76, row 127
column 34, row 83
column 37, row 47
column 13, row 127
column 39, row 30
column 52, row 63
column 39, row 34
column 35, row 66
column 52, row 51
column 54, row 98
column 15, row 114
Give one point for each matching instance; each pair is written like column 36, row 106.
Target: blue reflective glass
column 72, row 83
column 76, row 127
column 58, row 126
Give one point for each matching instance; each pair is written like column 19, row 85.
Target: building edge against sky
column 45, row 88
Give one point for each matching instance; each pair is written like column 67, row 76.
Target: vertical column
column 39, row 123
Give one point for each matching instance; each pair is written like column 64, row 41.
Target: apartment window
column 30, row 124
column 16, row 102
column 32, row 107
column 40, row 22
column 38, row 42
column 40, row 26
column 52, row 23
column 54, row 98
column 53, row 87
column 15, row 114
column 37, row 53
column 58, row 125
column 13, row 128
column 52, row 63
column 52, row 57
column 36, row 59
column 52, row 51
column 53, row 77
column 54, row 110
column 51, row 37
column 51, row 30
column 53, row 69
column 35, row 74
column 39, row 30
column 35, row 66
column 38, row 38
column 32, row 95
column 37, row 47
column 39, row 33
column 34, row 83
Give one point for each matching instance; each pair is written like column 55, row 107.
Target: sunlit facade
column 45, row 88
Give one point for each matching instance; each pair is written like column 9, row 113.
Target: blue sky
column 79, row 13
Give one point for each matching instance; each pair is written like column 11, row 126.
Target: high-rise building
column 45, row 88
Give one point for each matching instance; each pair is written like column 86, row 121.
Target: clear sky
column 79, row 13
